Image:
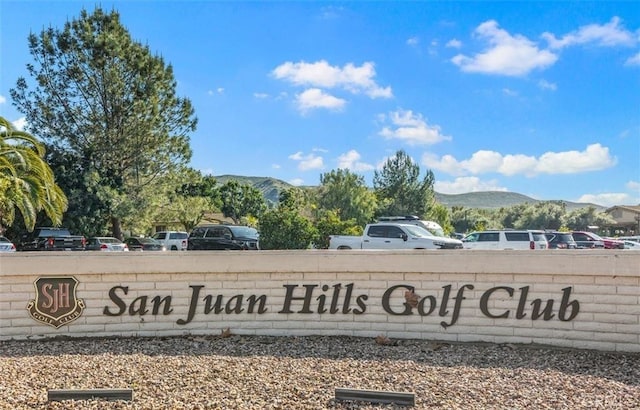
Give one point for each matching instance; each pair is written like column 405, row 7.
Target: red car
column 591, row 240
column 611, row 243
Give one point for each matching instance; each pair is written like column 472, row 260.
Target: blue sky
column 539, row 98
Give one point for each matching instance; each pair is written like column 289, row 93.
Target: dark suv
column 223, row 237
column 561, row 240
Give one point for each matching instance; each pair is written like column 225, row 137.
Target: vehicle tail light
column 104, row 246
column 562, row 246
column 126, row 248
column 84, row 241
column 13, row 247
column 184, row 244
column 50, row 242
column 532, row 245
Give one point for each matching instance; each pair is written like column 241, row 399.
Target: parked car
column 144, row 244
column 172, row 240
column 433, row 227
column 106, row 244
column 590, row 240
column 561, row 240
column 393, row 235
column 506, row 239
column 632, row 245
column 613, row 243
column 587, row 240
column 635, row 238
column 51, row 239
column 223, row 237
column 6, row 245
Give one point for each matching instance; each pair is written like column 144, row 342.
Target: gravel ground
column 253, row 372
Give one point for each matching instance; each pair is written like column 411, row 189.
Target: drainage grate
column 374, row 396
column 87, row 394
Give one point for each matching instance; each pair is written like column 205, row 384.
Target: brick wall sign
column 574, row 299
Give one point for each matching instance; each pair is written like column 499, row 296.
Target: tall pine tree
column 400, row 190
column 107, row 104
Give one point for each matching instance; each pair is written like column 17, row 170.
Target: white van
column 506, row 239
column 430, row 226
column 172, row 240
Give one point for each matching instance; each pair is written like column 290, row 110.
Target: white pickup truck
column 393, row 235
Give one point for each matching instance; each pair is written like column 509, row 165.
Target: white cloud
column 351, row 161
column 307, row 162
column 545, row 85
column 634, row 193
column 454, row 43
column 413, row 41
column 607, row 35
column 447, row 163
column 506, row 55
column 218, row 90
column 633, row 60
column 275, row 166
column 433, row 47
column 296, row 181
column 2, row 99
column 260, row 96
column 634, row 186
column 605, row 199
column 509, row 92
column 517, row 164
column 331, row 12
column 20, row 124
column 412, row 129
column 380, row 164
column 466, row 184
column 316, row 98
column 595, row 157
column 320, row 74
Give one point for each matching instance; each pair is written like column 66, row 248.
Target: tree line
column 107, row 153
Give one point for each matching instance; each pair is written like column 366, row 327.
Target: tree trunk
column 116, row 227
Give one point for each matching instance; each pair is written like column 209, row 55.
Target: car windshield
column 596, row 236
column 418, row 231
column 472, row 237
column 434, row 230
column 147, row 240
column 109, row 240
column 244, row 231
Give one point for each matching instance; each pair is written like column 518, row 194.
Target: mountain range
column 271, row 188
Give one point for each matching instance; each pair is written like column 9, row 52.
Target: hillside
column 499, row 199
column 271, row 187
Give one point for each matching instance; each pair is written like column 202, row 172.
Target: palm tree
column 27, row 182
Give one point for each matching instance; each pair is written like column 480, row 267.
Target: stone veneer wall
column 582, row 299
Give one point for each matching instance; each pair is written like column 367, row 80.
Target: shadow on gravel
column 621, row 367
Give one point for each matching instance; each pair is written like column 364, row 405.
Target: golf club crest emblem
column 56, row 303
